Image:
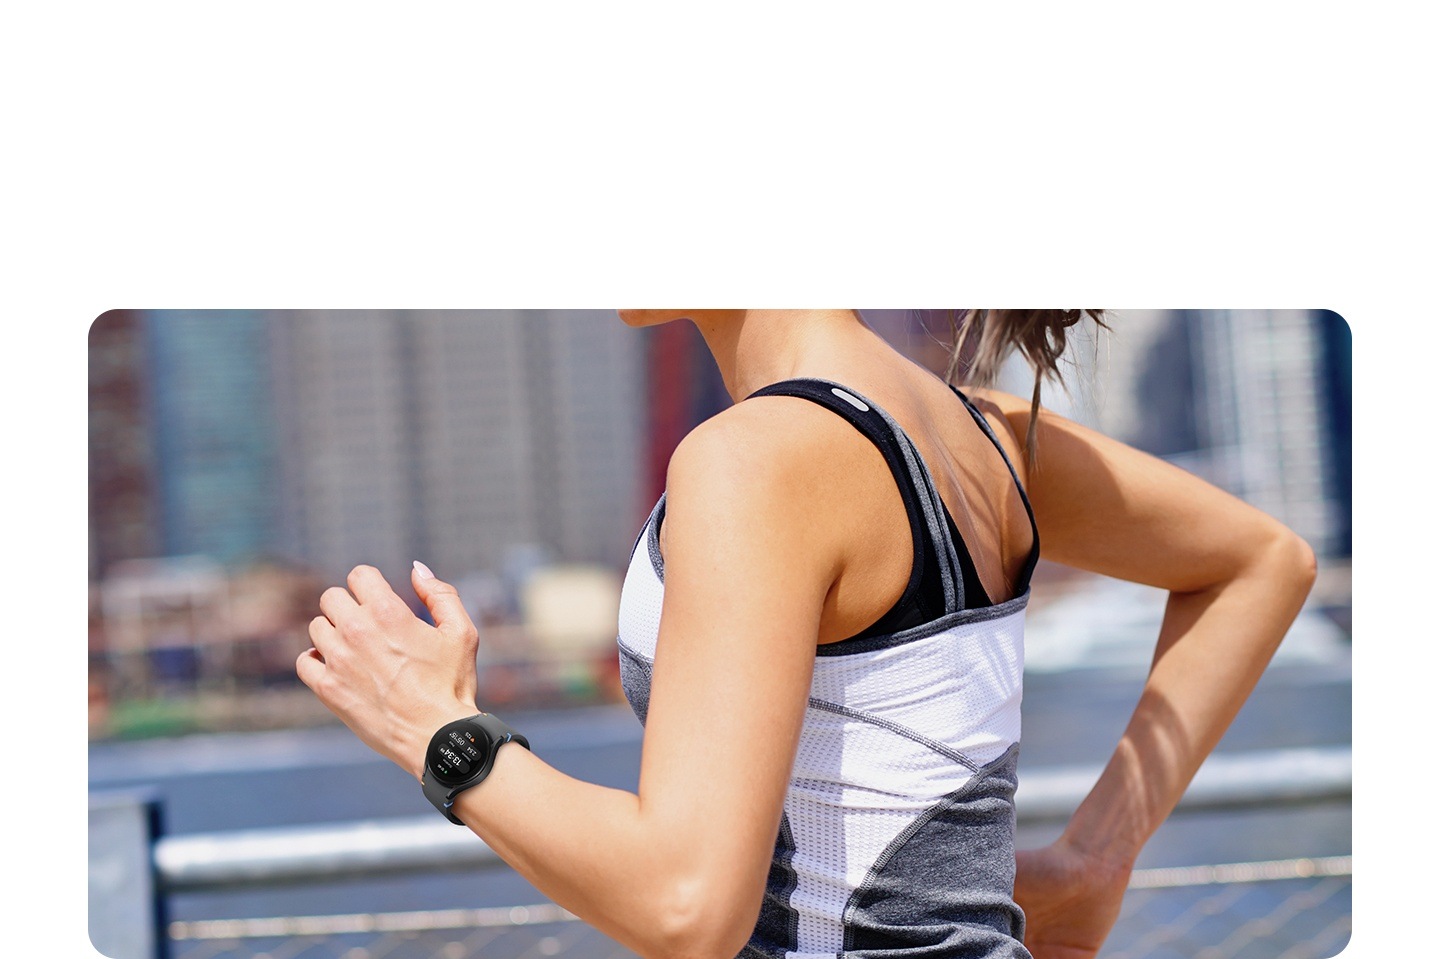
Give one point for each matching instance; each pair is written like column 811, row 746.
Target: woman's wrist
column 410, row 752
column 1110, row 851
column 1119, row 815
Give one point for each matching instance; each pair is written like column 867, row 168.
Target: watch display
column 457, row 751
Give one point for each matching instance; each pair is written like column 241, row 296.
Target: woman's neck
column 755, row 348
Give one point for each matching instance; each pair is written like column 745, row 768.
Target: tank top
column 897, row 835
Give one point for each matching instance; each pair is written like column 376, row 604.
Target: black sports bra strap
column 1034, row 557
column 917, row 488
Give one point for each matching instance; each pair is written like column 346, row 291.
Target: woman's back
column 975, row 485
column 974, row 482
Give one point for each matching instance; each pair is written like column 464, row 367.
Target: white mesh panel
column 640, row 601
column 960, row 687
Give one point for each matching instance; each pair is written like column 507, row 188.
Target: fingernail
column 423, row 570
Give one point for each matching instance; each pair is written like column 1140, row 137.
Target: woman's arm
column 1237, row 579
column 679, row 868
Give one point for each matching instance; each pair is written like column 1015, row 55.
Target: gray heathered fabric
column 934, row 508
column 778, row 929
column 635, row 671
column 652, row 537
column 945, row 886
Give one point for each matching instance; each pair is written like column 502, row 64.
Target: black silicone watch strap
column 441, row 796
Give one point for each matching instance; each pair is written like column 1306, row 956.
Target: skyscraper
column 215, row 441
column 124, row 501
column 332, row 438
column 454, row 436
column 1261, row 390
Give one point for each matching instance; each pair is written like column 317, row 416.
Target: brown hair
column 983, row 339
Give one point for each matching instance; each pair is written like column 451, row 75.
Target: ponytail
column 983, row 339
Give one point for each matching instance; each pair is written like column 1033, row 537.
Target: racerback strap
column 917, row 488
column 1034, row 557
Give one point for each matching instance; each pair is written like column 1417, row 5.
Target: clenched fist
column 391, row 677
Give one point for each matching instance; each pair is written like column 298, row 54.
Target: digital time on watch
column 460, row 755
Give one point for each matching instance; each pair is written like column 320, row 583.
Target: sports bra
column 923, row 598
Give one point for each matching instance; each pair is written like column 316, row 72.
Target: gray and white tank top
column 897, row 837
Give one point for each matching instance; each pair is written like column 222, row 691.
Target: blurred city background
column 243, row 461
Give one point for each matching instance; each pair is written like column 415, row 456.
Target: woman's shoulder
column 771, row 453
column 765, row 432
column 765, row 476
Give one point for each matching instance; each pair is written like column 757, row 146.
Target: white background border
column 578, row 155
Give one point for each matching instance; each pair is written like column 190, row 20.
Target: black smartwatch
column 460, row 755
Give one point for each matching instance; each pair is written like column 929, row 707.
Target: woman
column 831, row 693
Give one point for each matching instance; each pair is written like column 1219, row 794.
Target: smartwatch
column 460, row 755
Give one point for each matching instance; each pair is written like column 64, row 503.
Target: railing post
column 127, row 912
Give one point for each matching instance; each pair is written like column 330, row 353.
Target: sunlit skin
column 677, row 868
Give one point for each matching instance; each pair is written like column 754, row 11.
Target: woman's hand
column 1070, row 900
column 392, row 678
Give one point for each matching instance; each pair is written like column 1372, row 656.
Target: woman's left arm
column 678, row 869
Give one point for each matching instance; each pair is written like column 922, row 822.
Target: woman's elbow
column 702, row 922
column 1300, row 564
column 1288, row 562
column 1309, row 568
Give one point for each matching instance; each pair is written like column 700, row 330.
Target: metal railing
column 428, row 843
column 132, row 871
column 1295, row 909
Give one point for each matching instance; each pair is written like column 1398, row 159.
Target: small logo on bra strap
column 850, row 399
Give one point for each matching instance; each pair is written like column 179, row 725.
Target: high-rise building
column 332, row 438
column 1336, row 393
column 124, row 514
column 213, row 428
column 1254, row 401
column 181, row 439
column 1263, row 395
column 346, row 494
column 598, row 391
column 455, row 436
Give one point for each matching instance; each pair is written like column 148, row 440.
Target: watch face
column 457, row 752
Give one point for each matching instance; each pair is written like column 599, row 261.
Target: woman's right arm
column 1237, row 579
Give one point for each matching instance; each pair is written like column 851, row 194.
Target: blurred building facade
column 1255, row 401
column 214, row 434
column 328, row 438
column 123, row 501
